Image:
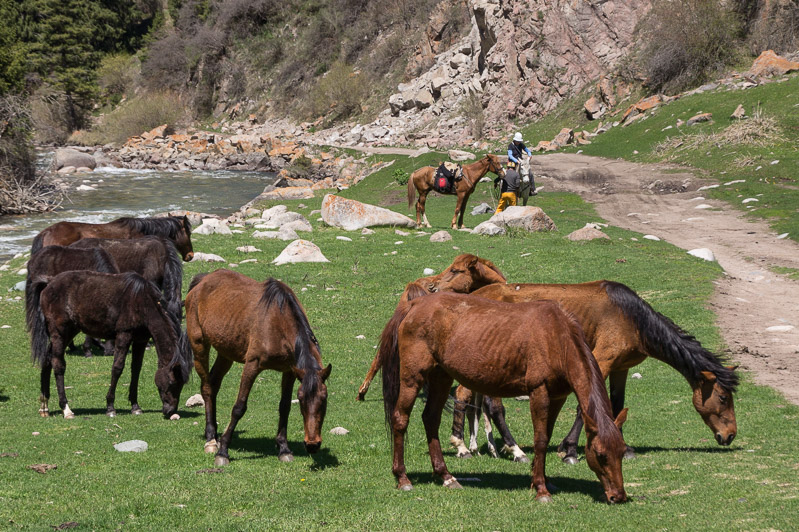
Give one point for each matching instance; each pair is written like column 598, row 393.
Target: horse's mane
column 667, row 341
column 168, row 226
column 277, row 293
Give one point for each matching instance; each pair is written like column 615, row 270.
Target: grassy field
column 681, row 478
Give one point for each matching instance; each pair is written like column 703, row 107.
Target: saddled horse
column 622, row 330
column 154, row 258
column 122, row 306
column 421, row 181
column 263, row 326
column 175, row 228
column 547, row 361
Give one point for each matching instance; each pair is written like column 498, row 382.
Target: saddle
column 447, row 174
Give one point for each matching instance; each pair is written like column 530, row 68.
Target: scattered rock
column 460, row 155
column 428, row 271
column 780, row 328
column 401, row 232
column 483, row 208
column 771, row 64
column 367, row 231
column 85, row 188
column 42, row 468
column 247, row 249
column 651, row 237
column 344, row 238
column 285, row 233
column 528, row 218
column 298, row 225
column 739, row 113
column 206, row 257
column 703, row 117
column 20, row 286
column 750, row 200
column 703, row 206
column 195, row 400
column 286, row 193
column 488, row 228
column 703, row 253
column 212, row 226
column 587, row 233
column 131, row 446
column 300, row 251
column 339, row 431
column 351, row 215
column 440, row 236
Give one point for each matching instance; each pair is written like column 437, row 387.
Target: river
column 124, row 192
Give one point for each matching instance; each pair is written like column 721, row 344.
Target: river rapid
column 125, row 192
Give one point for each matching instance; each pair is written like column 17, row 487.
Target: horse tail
column 37, row 324
column 183, row 356
column 411, row 191
column 388, row 355
column 196, row 280
column 666, row 341
column 280, row 294
column 173, row 277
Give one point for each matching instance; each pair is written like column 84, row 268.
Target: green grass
column 775, row 186
column 681, row 478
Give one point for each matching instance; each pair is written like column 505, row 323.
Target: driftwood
column 23, row 197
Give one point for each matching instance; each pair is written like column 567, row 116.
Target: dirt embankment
column 758, row 310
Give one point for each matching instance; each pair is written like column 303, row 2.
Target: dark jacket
column 511, row 181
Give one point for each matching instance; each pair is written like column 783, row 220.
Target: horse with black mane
column 435, row 339
column 126, row 307
column 175, row 228
column 263, row 326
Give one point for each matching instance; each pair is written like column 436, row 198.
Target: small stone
column 652, row 237
column 339, row 431
column 174, row 417
column 774, row 162
column 5, row 327
column 398, row 242
column 782, row 236
column 367, row 231
column 360, row 337
column 750, row 200
column 780, row 328
column 441, row 236
column 703, row 206
column 195, row 400
column 428, row 271
column 344, row 238
column 400, row 232
column 636, row 375
column 703, row 253
column 23, row 271
column 206, row 257
column 248, row 249
column 135, row 446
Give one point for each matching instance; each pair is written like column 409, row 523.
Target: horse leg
column 569, row 443
column 120, row 353
column 458, row 204
column 57, row 345
column 489, row 430
column 370, row 375
column 420, row 214
column 460, row 209
column 439, row 384
column 287, row 387
column 136, row 360
column 209, row 390
column 496, row 410
column 473, row 415
column 44, row 397
column 618, row 384
column 399, row 426
column 463, row 399
column 248, row 376
column 540, row 409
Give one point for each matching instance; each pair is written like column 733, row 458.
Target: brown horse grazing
column 426, row 285
column 421, row 181
column 121, row 306
column 263, row 326
column 175, row 228
column 622, row 330
column 437, row 338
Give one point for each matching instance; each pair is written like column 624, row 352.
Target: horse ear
column 732, row 368
column 707, row 376
column 620, row 419
column 298, row 373
column 472, row 260
column 325, row 373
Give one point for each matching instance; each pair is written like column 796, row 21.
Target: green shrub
column 136, row 116
column 116, row 74
column 339, row 92
column 401, row 176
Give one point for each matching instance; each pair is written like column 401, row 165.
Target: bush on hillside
column 117, row 74
column 688, row 41
column 339, row 93
column 135, row 117
column 775, row 29
column 50, row 115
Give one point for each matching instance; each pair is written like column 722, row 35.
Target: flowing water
column 124, row 192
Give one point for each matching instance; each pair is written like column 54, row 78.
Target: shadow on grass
column 508, row 482
column 267, row 448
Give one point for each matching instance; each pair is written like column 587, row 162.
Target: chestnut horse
column 263, row 326
column 622, row 330
column 441, row 337
column 123, row 306
column 421, row 181
column 175, row 228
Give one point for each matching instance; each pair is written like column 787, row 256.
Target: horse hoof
column 544, row 498
column 288, row 457
column 571, row 460
column 360, row 397
column 220, row 461
column 137, row 411
column 521, row 459
column 452, row 484
column 464, row 454
column 211, row 447
column 111, row 413
column 68, row 413
column 405, row 487
column 44, row 413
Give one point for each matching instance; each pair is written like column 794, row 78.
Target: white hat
column 517, row 137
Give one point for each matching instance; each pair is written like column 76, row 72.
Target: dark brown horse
column 263, row 326
column 622, row 330
column 437, row 338
column 122, row 306
column 175, row 228
column 421, row 181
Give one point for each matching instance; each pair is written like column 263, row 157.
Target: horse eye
column 723, row 398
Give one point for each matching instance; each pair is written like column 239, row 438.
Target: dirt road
column 758, row 310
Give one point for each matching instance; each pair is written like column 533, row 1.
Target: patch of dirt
column 750, row 298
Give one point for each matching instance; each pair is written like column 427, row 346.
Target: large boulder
column 69, row 157
column 278, row 220
column 528, row 218
column 212, row 226
column 771, row 64
column 352, row 215
column 300, row 251
column 489, row 229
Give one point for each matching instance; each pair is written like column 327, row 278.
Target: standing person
column 516, row 150
column 510, row 187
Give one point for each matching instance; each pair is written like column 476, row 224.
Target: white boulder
column 528, row 218
column 703, row 253
column 488, row 228
column 352, row 215
column 300, row 251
